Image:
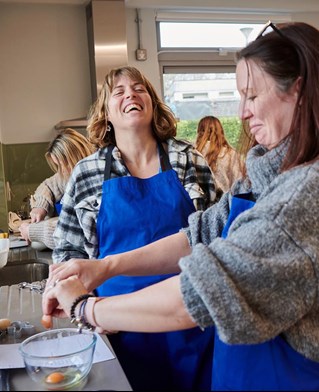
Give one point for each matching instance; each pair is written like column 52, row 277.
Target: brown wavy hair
column 100, row 131
column 210, row 129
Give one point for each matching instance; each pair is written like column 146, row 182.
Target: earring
column 108, row 128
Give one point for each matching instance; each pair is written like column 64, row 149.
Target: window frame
column 204, row 60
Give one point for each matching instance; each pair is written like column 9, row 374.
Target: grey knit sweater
column 262, row 281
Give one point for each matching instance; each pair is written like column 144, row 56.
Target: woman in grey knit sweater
column 250, row 263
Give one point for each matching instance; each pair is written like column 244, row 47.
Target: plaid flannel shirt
column 75, row 235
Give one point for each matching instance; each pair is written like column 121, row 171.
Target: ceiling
column 222, row 5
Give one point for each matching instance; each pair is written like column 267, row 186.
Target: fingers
column 57, row 273
column 64, row 270
column 35, row 218
column 49, row 300
column 59, row 295
column 46, row 321
column 37, row 214
column 52, row 285
column 24, row 231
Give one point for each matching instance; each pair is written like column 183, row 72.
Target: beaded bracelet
column 80, row 320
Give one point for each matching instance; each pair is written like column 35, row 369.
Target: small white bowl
column 37, row 245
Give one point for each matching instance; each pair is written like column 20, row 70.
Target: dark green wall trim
column 25, row 167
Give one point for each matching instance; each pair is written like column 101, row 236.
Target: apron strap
column 163, row 157
column 164, row 160
column 108, row 163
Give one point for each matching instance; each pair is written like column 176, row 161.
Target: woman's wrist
column 77, row 313
column 122, row 263
column 110, row 266
column 89, row 313
column 82, row 313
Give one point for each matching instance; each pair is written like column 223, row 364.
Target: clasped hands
column 67, row 281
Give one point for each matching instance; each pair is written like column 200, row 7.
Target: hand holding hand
column 91, row 272
column 58, row 297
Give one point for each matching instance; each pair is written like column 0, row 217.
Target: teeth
column 131, row 107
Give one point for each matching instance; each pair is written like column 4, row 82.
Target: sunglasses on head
column 268, row 25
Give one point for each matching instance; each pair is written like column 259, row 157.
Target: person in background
column 62, row 154
column 222, row 158
column 141, row 185
column 250, row 263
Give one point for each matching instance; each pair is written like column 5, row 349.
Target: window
column 196, row 58
column 195, row 95
column 206, row 35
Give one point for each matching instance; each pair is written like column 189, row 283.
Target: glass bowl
column 59, row 359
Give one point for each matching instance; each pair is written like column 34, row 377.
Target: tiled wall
column 25, row 167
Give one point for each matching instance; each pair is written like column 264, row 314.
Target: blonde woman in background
column 221, row 157
column 62, row 154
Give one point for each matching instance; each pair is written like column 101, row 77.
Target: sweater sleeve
column 204, row 226
column 252, row 286
column 48, row 193
column 43, row 232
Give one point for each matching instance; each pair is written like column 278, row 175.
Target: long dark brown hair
column 288, row 56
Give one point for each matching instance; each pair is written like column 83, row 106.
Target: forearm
column 156, row 308
column 159, row 257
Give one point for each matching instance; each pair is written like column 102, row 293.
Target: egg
column 54, row 378
column 46, row 321
column 4, row 323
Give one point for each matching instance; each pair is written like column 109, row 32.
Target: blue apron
column 135, row 212
column 58, row 207
column 270, row 366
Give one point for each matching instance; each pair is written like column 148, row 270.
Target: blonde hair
column 100, row 131
column 210, row 130
column 68, row 147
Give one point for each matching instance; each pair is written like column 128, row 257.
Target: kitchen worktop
column 25, row 305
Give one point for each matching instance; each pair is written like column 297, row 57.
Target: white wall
column 44, row 66
column 150, row 67
column 44, row 69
